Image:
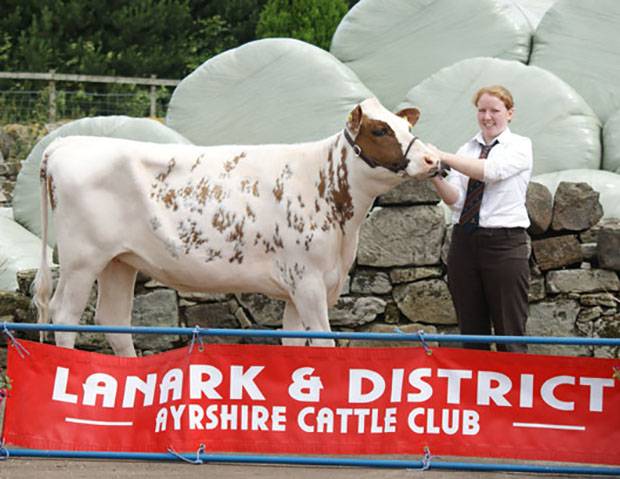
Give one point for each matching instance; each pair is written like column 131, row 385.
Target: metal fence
column 48, row 97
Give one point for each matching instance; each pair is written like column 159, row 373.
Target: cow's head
column 384, row 140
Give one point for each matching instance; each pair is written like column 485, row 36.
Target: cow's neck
column 350, row 185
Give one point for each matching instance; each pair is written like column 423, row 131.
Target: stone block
column 557, row 252
column 582, row 281
column 402, row 237
column 159, row 309
column 576, row 207
column 539, row 204
column 554, row 318
column 410, row 192
column 426, row 302
column 371, row 282
column 608, row 251
column 352, row 312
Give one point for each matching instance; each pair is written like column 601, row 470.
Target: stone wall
column 398, row 281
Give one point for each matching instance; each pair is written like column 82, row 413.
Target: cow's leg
column 114, row 302
column 69, row 301
column 292, row 322
column 310, row 302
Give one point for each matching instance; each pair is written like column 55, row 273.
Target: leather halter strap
column 401, row 165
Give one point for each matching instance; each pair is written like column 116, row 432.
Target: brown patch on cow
column 250, row 213
column 212, row 254
column 237, row 256
column 169, row 199
column 163, row 176
column 291, row 276
column 308, row 241
column 378, row 141
column 43, row 168
column 294, row 220
column 333, row 186
column 222, row 220
column 277, row 239
column 322, row 184
column 190, row 235
column 248, row 187
column 232, row 164
column 317, row 207
column 301, row 202
column 278, row 190
column 236, row 235
column 196, row 163
column 51, row 191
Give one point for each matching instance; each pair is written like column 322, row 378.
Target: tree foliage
column 313, row 21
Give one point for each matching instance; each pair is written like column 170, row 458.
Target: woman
column 488, row 271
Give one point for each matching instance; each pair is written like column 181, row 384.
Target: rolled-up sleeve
column 508, row 159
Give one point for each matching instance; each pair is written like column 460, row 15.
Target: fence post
column 153, row 99
column 51, row 114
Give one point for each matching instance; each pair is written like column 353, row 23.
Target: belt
column 493, row 231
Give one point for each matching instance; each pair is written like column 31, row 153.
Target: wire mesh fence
column 25, row 99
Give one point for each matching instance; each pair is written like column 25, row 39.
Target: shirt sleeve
column 508, row 160
column 459, row 181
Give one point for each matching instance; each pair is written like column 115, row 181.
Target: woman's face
column 493, row 117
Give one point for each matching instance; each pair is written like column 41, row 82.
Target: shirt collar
column 501, row 138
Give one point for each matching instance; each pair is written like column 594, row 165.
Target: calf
column 282, row 220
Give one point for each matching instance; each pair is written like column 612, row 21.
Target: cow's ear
column 410, row 114
column 355, row 119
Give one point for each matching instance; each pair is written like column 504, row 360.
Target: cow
column 282, row 220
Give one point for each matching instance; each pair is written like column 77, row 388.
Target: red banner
column 275, row 399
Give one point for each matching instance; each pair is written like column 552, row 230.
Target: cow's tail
column 43, row 278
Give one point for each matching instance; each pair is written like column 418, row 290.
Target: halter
column 401, row 165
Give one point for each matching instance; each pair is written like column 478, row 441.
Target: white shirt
column 507, row 172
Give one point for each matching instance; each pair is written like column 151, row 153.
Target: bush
column 313, row 21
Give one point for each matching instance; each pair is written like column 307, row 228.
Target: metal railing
column 425, row 463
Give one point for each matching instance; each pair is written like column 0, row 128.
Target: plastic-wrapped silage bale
column 564, row 130
column 19, row 250
column 393, row 45
column 579, row 41
column 611, row 143
column 275, row 90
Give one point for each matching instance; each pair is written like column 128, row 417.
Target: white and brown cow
column 282, row 220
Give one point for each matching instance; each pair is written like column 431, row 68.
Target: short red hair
column 497, row 91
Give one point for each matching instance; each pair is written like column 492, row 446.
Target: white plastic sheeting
column 19, row 249
column 268, row 91
column 534, row 10
column 564, row 130
column 605, row 182
column 611, row 143
column 579, row 41
column 26, row 197
column 393, row 45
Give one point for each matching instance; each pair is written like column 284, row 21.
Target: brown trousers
column 488, row 278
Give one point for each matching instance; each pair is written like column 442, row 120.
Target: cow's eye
column 379, row 132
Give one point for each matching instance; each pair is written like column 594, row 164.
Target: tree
column 313, row 21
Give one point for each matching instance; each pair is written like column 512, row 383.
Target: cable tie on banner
column 4, row 452
column 196, row 461
column 425, row 345
column 616, row 373
column 196, row 337
column 21, row 350
column 426, row 460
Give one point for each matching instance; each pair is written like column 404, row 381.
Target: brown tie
column 470, row 216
